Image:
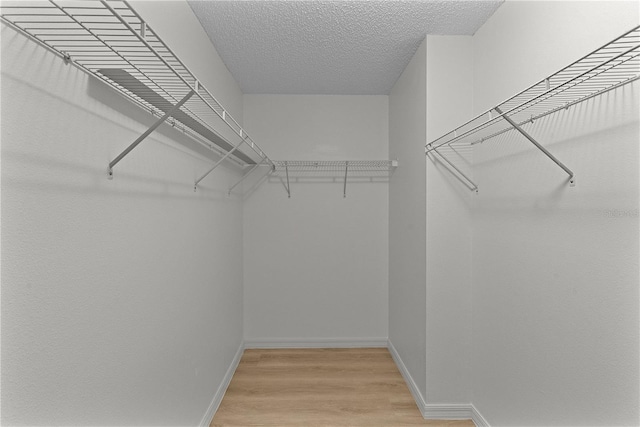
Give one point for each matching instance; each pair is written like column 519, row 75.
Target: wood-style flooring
column 320, row 387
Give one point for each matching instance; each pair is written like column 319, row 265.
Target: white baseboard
column 433, row 411
column 477, row 418
column 219, row 394
column 413, row 388
column 437, row 411
column 315, row 342
column 448, row 411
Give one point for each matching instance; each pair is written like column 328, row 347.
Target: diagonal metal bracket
column 449, row 166
column 346, row 169
column 245, row 176
column 230, row 152
column 572, row 181
column 153, row 127
column 287, row 187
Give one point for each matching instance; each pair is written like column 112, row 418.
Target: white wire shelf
column 108, row 39
column 333, row 171
column 382, row 167
column 613, row 65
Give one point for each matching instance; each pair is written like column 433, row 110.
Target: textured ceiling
column 329, row 47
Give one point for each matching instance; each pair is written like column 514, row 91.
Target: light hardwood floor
column 320, row 387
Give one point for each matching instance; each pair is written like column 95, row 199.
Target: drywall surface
column 407, row 226
column 122, row 299
column 178, row 27
column 555, row 269
column 448, row 219
column 315, row 264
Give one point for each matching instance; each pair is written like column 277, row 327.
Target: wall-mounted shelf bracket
column 607, row 68
column 572, row 181
column 246, row 175
column 218, row 163
column 333, row 171
column 287, row 187
column 346, row 169
column 112, row 42
column 153, row 127
column 458, row 173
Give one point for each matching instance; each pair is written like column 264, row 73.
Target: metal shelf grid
column 333, row 170
column 608, row 67
column 356, row 167
column 109, row 40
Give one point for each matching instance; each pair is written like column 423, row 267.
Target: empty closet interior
column 184, row 180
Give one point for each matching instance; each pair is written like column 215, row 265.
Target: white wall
column 448, row 222
column 316, row 264
column 407, row 226
column 555, row 296
column 179, row 28
column 121, row 300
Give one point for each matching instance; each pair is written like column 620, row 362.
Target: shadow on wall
column 306, row 178
column 612, row 109
column 71, row 101
column 109, row 97
column 590, row 138
column 596, row 139
column 456, row 183
column 275, row 179
column 459, row 157
column 531, row 181
column 77, row 178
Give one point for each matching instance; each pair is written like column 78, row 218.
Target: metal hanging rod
column 609, row 67
column 334, row 170
column 612, row 65
column 533, row 118
column 384, row 166
column 110, row 40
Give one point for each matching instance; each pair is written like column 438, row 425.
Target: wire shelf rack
column 333, row 171
column 370, row 167
column 606, row 68
column 110, row 40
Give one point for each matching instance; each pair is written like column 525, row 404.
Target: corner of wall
column 411, row 384
column 477, row 417
column 222, row 388
column 407, row 195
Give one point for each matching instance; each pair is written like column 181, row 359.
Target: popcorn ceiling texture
column 329, row 47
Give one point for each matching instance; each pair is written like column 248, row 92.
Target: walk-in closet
column 320, row 213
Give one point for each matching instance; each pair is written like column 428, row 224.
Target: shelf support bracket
column 245, row 175
column 153, row 127
column 225, row 157
column 288, row 187
column 540, row 147
column 346, row 169
column 472, row 187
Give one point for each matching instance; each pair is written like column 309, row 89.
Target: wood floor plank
column 320, row 387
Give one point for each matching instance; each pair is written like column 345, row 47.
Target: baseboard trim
column 219, row 394
column 433, row 411
column 315, row 343
column 436, row 411
column 413, row 388
column 477, row 418
column 448, row 411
